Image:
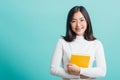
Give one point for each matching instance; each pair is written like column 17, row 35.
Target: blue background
column 29, row 30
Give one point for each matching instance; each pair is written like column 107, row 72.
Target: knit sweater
column 62, row 54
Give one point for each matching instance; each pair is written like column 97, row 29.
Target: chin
column 80, row 32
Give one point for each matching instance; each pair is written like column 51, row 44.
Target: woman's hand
column 84, row 77
column 73, row 69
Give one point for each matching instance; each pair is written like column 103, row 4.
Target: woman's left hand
column 73, row 69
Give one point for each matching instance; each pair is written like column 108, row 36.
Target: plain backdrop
column 29, row 30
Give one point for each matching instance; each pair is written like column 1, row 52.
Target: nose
column 78, row 24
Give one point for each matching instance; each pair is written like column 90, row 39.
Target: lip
column 79, row 29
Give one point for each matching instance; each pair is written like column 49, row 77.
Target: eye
column 73, row 21
column 81, row 20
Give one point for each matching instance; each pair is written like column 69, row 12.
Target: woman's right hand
column 83, row 77
column 73, row 69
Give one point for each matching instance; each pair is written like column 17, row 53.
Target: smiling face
column 78, row 24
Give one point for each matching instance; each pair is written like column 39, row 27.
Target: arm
column 100, row 69
column 74, row 69
column 55, row 68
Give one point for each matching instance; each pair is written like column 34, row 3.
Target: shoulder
column 95, row 43
column 61, row 41
column 98, row 43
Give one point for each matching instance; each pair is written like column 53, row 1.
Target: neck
column 79, row 37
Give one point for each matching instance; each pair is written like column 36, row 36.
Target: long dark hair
column 70, row 35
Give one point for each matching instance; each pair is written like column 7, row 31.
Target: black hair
column 70, row 35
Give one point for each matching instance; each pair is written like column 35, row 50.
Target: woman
column 79, row 39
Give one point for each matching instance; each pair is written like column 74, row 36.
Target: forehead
column 78, row 15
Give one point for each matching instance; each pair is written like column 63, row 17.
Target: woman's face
column 78, row 24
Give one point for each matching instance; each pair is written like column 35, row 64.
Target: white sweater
column 63, row 53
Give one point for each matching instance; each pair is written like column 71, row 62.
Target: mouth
column 79, row 29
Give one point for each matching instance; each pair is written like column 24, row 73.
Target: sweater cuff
column 83, row 71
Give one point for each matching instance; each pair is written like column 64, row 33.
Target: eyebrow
column 79, row 18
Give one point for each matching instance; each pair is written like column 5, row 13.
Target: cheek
column 85, row 26
column 73, row 26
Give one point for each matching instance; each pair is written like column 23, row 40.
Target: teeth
column 79, row 28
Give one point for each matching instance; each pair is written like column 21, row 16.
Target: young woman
column 79, row 39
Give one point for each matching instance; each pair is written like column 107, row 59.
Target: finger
column 83, row 77
column 69, row 71
column 69, row 64
column 69, row 68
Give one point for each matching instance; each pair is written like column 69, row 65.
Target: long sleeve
column 100, row 69
column 55, row 68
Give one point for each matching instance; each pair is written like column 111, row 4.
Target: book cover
column 80, row 60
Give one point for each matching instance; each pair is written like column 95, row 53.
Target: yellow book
column 80, row 60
